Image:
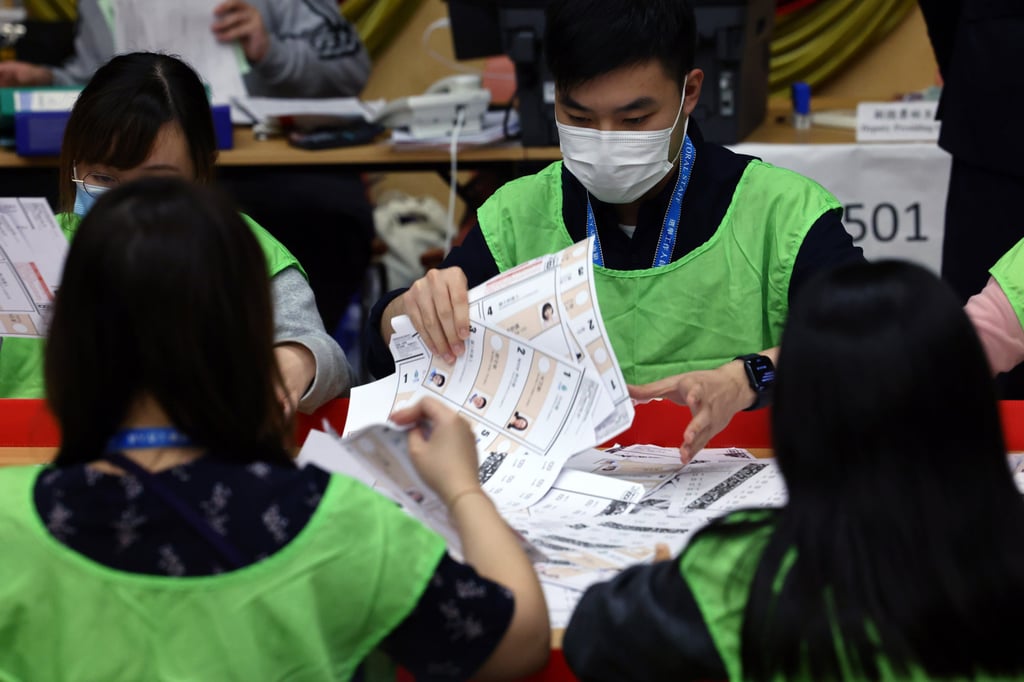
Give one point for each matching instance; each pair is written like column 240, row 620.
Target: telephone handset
column 435, row 112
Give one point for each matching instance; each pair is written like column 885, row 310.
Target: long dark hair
column 903, row 525
column 128, row 100
column 165, row 293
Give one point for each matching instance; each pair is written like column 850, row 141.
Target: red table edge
column 28, row 423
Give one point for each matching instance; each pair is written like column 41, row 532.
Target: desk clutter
column 32, row 120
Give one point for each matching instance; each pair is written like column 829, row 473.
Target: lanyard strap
column 670, row 225
column 184, row 510
column 156, row 437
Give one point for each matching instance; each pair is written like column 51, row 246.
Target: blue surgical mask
column 84, row 200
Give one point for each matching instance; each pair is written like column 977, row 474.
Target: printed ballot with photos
column 541, row 388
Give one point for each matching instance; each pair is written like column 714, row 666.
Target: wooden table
column 251, row 152
column 381, row 156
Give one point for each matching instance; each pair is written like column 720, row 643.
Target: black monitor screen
column 480, row 27
column 475, row 28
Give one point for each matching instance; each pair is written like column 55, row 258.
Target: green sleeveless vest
column 726, row 298
column 312, row 611
column 719, row 570
column 1009, row 272
column 21, row 360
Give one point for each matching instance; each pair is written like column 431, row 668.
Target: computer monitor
column 733, row 39
column 484, row 28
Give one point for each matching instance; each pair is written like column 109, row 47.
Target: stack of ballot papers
column 541, row 387
column 32, row 253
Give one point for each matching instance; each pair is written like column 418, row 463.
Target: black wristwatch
column 761, row 375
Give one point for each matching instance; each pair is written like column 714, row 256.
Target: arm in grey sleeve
column 94, row 46
column 313, row 52
column 296, row 320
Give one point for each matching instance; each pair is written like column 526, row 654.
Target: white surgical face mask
column 619, row 166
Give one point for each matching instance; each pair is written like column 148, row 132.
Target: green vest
column 311, row 611
column 1009, row 273
column 719, row 570
column 727, row 297
column 21, row 359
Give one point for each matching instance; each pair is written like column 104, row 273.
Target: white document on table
column 182, row 28
column 32, row 253
column 275, row 108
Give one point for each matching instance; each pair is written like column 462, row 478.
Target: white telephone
column 434, row 113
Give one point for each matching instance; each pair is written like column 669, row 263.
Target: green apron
column 728, row 297
column 1009, row 273
column 719, row 569
column 311, row 611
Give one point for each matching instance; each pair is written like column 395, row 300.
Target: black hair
column 119, row 113
column 901, row 536
column 589, row 38
column 165, row 294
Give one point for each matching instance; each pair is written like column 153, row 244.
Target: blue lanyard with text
column 670, row 226
column 157, row 437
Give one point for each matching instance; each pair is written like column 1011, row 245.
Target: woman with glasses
column 173, row 536
column 898, row 554
column 145, row 115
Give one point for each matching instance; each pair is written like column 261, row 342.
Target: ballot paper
column 552, row 302
column 605, row 511
column 32, row 252
column 538, row 380
column 181, row 28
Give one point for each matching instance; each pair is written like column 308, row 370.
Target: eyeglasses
column 94, row 183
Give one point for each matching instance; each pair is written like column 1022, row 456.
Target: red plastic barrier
column 662, row 422
column 27, row 424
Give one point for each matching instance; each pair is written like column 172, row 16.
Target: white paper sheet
column 32, row 252
column 182, row 28
column 272, row 109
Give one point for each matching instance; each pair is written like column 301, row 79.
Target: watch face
column 762, row 371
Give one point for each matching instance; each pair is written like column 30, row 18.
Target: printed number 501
column 883, row 223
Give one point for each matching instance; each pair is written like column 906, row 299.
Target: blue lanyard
column 670, row 226
column 157, row 437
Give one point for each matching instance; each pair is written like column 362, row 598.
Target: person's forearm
column 313, row 52
column 492, row 548
column 391, row 311
column 296, row 320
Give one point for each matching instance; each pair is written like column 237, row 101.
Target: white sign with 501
column 893, row 195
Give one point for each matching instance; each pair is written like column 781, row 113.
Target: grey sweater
column 296, row 319
column 314, row 51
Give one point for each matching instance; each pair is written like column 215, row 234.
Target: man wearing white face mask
column 699, row 250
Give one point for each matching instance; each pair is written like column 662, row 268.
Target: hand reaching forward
column 713, row 396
